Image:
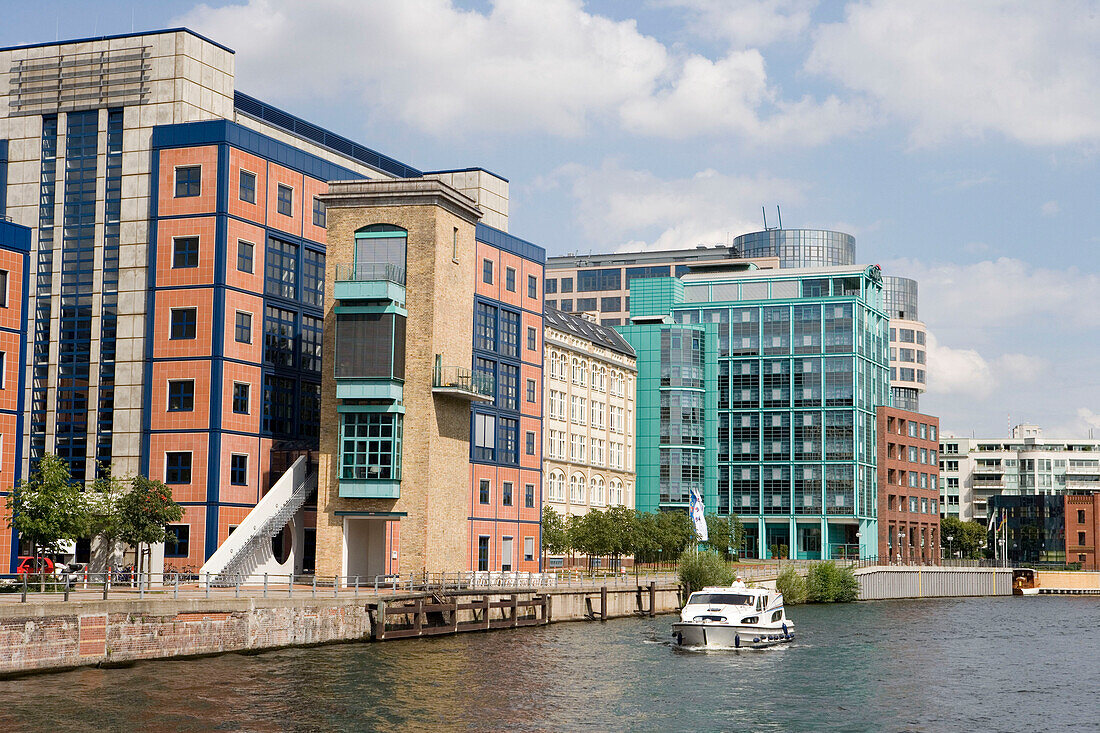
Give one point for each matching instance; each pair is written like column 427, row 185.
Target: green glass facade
column 760, row 389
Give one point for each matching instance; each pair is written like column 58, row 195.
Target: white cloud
column 635, row 209
column 1022, row 69
column 1003, row 292
column 1050, row 208
column 522, row 66
column 966, row 374
column 744, row 23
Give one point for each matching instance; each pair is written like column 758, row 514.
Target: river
column 976, row 664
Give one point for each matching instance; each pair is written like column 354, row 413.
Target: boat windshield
column 723, row 599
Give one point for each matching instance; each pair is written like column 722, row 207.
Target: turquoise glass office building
column 759, row 390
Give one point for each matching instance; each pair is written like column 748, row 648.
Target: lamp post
column 859, row 546
column 949, row 553
column 901, row 543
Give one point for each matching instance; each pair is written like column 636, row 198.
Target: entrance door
column 506, row 554
column 365, row 545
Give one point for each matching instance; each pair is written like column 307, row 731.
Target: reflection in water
column 977, row 664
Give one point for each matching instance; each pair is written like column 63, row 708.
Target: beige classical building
column 590, row 376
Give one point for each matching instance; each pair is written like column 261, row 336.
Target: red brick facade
column 1082, row 529
column 908, row 487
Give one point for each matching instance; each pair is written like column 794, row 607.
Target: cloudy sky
column 959, row 142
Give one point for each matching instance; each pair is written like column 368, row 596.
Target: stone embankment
column 47, row 634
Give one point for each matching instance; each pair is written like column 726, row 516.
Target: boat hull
column 730, row 636
column 1025, row 591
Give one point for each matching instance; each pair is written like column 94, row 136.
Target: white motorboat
column 732, row 618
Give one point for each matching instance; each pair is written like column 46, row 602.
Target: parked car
column 35, row 565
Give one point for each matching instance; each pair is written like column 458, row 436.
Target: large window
column 184, row 322
column 485, row 428
column 509, row 333
column 371, row 446
column 485, row 327
column 311, row 343
column 279, row 335
column 281, row 269
column 185, row 252
column 181, row 395
column 188, row 181
column 281, row 400
column 380, row 244
column 592, row 280
column 313, row 278
column 177, row 468
column 370, row 345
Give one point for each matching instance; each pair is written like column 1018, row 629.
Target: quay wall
column 885, row 583
column 1056, row 580
column 51, row 635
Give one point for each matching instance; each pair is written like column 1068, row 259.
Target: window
column 530, row 443
column 238, row 469
column 181, row 395
column 528, row 549
column 320, row 213
column 185, row 252
column 3, row 381
column 485, row 431
column 188, row 181
column 551, row 286
column 530, row 390
column 285, row 201
column 510, row 279
column 532, row 286
column 576, row 489
column 313, row 278
column 3, row 288
column 311, row 342
column 247, row 188
column 567, row 285
column 177, row 468
column 567, row 305
column 1080, row 538
column 177, row 540
column 184, row 323
column 506, row 493
column 586, row 304
column 529, row 496
column 509, row 333
column 240, row 398
column 371, row 446
column 532, row 339
column 610, row 304
column 454, row 245
column 281, row 269
column 482, row 552
column 485, row 327
column 487, row 271
column 483, row 491
column 243, row 329
column 245, row 256
column 279, row 336
column 1080, row 516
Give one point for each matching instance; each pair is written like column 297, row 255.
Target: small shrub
column 791, row 585
column 783, row 550
column 774, row 550
column 698, row 570
column 828, row 583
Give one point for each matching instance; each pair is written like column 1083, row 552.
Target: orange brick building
column 1082, row 529
column 15, row 242
column 908, row 487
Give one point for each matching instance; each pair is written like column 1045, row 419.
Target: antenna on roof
column 765, row 214
column 780, row 213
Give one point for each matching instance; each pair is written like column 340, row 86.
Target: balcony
column 463, row 383
column 370, row 281
column 989, row 483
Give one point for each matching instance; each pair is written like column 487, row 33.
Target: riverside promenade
column 49, row 631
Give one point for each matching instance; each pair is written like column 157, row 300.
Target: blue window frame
column 184, row 323
column 185, row 252
column 532, row 286
column 247, row 188
column 509, row 386
column 177, row 542
column 281, row 269
column 238, row 469
column 510, row 279
column 507, row 440
column 181, row 395
column 245, row 256
column 177, row 467
column 311, row 343
column 483, row 551
column 320, row 213
column 483, row 491
column 188, row 181
column 487, row 271
column 243, row 328
column 280, row 327
column 506, row 493
column 530, row 390
column 485, row 439
column 240, row 397
column 532, row 339
column 509, row 333
column 313, row 278
column 285, row 200
column 485, row 332
column 530, row 443
column 529, row 496
column 280, row 403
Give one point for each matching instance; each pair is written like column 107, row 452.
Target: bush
column 783, row 551
column 791, row 585
column 774, row 550
column 828, row 583
column 698, row 570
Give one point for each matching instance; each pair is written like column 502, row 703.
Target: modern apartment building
column 908, row 481
column 431, row 416
column 759, row 390
column 178, row 249
column 589, row 379
column 15, row 244
column 908, row 343
column 973, row 470
column 600, row 283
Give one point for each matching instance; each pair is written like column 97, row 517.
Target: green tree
column 791, row 585
column 967, row 538
column 675, row 533
column 555, row 539
column 104, row 517
column 701, row 569
column 144, row 513
column 48, row 507
column 827, row 582
column 645, row 537
column 621, row 522
column 719, row 534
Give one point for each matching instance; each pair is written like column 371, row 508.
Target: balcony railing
column 370, row 271
column 463, row 382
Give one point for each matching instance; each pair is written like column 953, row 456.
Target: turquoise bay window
column 370, row 454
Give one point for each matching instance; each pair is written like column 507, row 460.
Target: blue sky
column 959, row 142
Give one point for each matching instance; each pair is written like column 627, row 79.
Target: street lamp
column 901, row 543
column 949, row 552
column 858, row 545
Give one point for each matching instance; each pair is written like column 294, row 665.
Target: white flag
column 989, row 527
column 698, row 516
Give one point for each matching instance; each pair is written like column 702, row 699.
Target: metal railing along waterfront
column 369, row 271
column 125, row 584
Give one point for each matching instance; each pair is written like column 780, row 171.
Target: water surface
column 979, row 664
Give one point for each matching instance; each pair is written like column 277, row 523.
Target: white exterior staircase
column 246, row 555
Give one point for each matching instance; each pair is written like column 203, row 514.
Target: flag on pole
column 698, row 516
column 989, row 527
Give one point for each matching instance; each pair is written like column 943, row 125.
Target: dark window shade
column 370, row 345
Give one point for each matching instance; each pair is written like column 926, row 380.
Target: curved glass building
column 908, row 342
column 799, row 247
